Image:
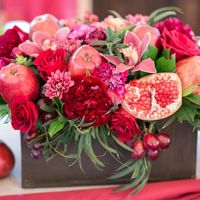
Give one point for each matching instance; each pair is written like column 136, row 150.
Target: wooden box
column 178, row 162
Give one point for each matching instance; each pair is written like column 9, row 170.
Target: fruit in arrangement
column 151, row 142
column 84, row 59
column 45, row 23
column 6, row 160
column 164, row 140
column 152, row 154
column 153, row 97
column 188, row 71
column 18, row 80
column 138, row 150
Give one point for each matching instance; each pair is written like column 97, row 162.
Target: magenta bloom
column 174, row 23
column 58, row 84
column 114, row 81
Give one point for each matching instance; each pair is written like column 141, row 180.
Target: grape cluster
column 36, row 147
column 150, row 146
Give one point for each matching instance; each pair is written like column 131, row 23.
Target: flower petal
column 122, row 68
column 61, row 35
column 146, row 65
column 39, row 37
column 131, row 39
column 112, row 59
column 144, row 44
column 29, row 48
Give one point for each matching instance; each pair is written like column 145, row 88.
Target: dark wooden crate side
column 178, row 162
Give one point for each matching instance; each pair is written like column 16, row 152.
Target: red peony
column 179, row 43
column 174, row 23
column 50, row 61
column 24, row 115
column 123, row 125
column 89, row 99
column 10, row 39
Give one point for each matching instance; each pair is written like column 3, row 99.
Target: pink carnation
column 58, row 84
column 137, row 19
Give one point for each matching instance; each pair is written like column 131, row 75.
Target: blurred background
column 28, row 9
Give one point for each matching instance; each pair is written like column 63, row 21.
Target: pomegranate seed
column 152, row 154
column 138, row 150
column 164, row 140
column 151, row 141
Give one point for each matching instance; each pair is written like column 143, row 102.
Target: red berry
column 138, row 150
column 164, row 140
column 151, row 141
column 152, row 154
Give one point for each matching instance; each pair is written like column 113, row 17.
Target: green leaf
column 166, row 53
column 115, row 14
column 186, row 113
column 160, row 13
column 124, row 172
column 55, row 127
column 193, row 98
column 59, row 104
column 121, row 143
column 2, row 101
column 166, row 65
column 47, row 108
column 105, row 145
column 151, row 52
column 98, row 43
column 110, row 35
column 135, row 182
column 21, row 60
column 189, row 90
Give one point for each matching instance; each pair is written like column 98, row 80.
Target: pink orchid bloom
column 42, row 41
column 133, row 55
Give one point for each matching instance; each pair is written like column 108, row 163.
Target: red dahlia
column 89, row 99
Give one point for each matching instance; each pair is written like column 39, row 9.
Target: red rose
column 180, row 44
column 24, row 115
column 89, row 99
column 123, row 125
column 10, row 39
column 49, row 61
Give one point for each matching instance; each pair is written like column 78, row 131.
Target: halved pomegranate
column 153, row 97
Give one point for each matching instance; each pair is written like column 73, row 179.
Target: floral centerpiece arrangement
column 79, row 81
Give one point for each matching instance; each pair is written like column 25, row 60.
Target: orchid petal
column 131, row 39
column 62, row 34
column 131, row 55
column 144, row 44
column 30, row 48
column 39, row 37
column 146, row 65
column 122, row 68
column 112, row 59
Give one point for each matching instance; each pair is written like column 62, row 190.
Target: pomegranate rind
column 153, row 97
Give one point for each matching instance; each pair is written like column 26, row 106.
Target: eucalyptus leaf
column 98, row 43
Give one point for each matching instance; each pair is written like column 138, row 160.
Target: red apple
column 84, row 59
column 7, row 160
column 18, row 80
